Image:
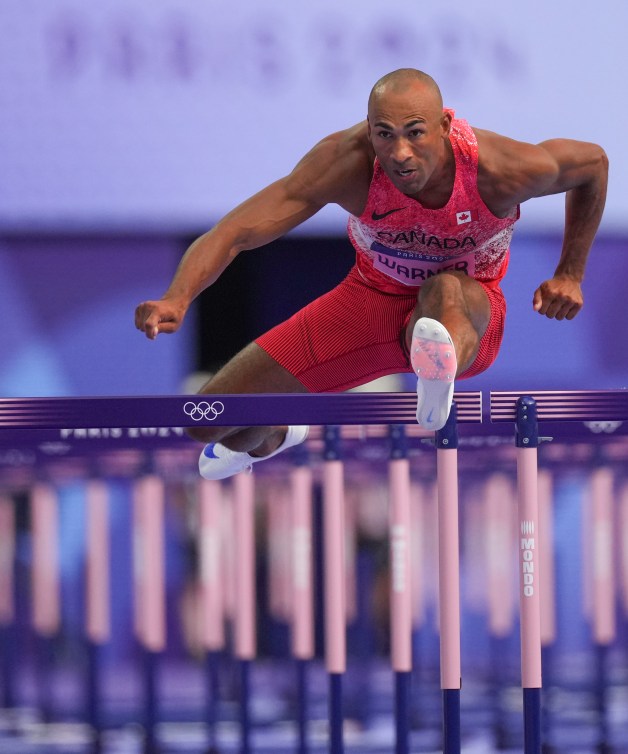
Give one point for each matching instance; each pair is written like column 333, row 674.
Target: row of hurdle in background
column 150, row 609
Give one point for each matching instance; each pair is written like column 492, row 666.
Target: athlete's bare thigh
column 252, row 370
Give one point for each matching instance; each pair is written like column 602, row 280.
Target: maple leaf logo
column 465, row 217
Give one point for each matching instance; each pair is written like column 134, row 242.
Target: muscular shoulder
column 336, row 170
column 511, row 171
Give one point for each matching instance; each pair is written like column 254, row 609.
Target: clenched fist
column 558, row 298
column 153, row 317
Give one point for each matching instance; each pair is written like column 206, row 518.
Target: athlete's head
column 408, row 128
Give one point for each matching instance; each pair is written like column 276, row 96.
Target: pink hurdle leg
column 499, row 521
column 623, row 528
column 7, row 554
column 334, row 556
column 401, row 593
column 351, row 558
column 603, row 593
column 449, row 581
column 152, row 566
column 245, row 644
column 7, row 602
column 546, row 559
column 97, row 596
column 45, row 584
column 149, row 567
column 401, row 587
column 418, row 553
column 601, row 491
column 212, row 608
column 302, row 590
column 211, row 572
column 302, row 605
column 529, row 598
column 279, row 509
column 45, row 575
column 500, row 574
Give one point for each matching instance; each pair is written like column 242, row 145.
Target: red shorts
column 356, row 333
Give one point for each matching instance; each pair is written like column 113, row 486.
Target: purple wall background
column 68, row 325
column 588, row 352
column 128, row 115
column 129, row 128
column 68, row 307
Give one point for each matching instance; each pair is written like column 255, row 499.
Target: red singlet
column 355, row 332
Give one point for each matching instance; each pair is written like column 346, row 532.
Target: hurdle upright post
column 210, row 546
column 400, row 588
column 97, row 597
column 334, row 558
column 7, row 601
column 302, row 638
column 245, row 631
column 604, row 627
column 46, row 595
column 449, row 580
column 527, row 442
column 149, row 597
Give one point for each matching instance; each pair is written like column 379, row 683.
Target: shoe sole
column 434, row 362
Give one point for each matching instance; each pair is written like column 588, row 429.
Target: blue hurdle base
column 451, row 721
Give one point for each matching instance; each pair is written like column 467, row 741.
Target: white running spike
column 434, row 362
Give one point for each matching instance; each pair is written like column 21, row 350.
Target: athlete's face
column 408, row 131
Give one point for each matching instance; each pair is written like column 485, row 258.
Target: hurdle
column 149, row 578
column 302, row 635
column 446, row 441
column 50, row 414
column 7, row 601
column 401, row 589
column 97, row 596
column 45, row 586
column 212, row 599
column 334, row 560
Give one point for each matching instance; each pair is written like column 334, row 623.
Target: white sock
column 295, row 435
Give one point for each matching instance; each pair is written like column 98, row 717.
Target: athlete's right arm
column 321, row 177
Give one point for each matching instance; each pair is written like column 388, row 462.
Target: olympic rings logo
column 203, row 410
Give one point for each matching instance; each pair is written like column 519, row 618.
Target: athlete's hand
column 153, row 317
column 558, row 298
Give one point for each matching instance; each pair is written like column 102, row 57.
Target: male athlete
column 432, row 203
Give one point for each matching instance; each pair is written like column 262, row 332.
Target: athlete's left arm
column 511, row 172
column 581, row 172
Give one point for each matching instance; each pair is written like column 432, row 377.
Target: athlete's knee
column 445, row 282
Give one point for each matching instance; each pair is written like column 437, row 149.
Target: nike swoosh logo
column 208, row 452
column 377, row 216
column 429, row 416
